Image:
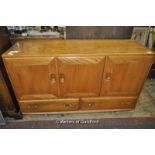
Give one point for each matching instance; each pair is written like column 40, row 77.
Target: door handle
column 108, row 76
column 62, row 78
column 33, row 106
column 53, row 78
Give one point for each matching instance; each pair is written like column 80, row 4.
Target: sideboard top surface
column 76, row 47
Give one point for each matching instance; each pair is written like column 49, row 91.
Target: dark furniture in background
column 152, row 72
column 98, row 32
column 8, row 103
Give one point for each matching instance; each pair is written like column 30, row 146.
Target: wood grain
column 50, row 105
column 72, row 48
column 32, row 76
column 126, row 75
column 96, row 103
column 90, row 68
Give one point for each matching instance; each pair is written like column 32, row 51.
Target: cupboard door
column 125, row 75
column 33, row 78
column 80, row 76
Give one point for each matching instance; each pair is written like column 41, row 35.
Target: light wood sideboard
column 77, row 75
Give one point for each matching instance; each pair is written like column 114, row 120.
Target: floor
column 144, row 112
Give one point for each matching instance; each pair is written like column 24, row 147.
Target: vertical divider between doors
column 104, row 65
column 57, row 72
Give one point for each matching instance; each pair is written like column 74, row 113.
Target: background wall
column 98, row 32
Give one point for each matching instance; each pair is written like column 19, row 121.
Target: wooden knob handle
column 108, row 76
column 62, row 78
column 34, row 106
column 90, row 104
column 67, row 105
column 53, row 78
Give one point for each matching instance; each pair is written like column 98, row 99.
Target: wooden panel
column 53, row 48
column 54, row 105
column 99, row 103
column 33, row 76
column 125, row 75
column 98, row 32
column 80, row 76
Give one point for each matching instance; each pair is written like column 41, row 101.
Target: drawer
column 97, row 103
column 53, row 105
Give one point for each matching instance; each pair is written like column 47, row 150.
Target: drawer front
column 106, row 103
column 54, row 105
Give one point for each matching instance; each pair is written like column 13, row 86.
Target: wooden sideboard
column 77, row 75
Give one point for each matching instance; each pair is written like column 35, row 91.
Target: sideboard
column 77, row 75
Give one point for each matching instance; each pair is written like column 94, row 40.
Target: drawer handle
column 53, row 78
column 62, row 78
column 34, row 106
column 108, row 77
column 67, row 105
column 90, row 104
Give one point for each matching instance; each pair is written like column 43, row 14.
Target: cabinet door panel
column 31, row 77
column 80, row 76
column 125, row 75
